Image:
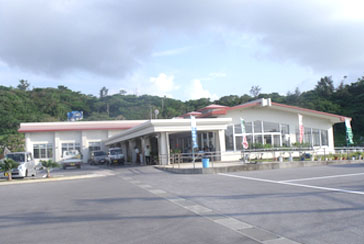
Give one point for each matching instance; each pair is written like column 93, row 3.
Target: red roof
column 342, row 118
column 213, row 106
column 213, row 113
column 191, row 113
column 222, row 110
column 245, row 105
column 79, row 125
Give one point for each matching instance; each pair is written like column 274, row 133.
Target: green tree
column 49, row 165
column 7, row 165
column 255, row 91
column 103, row 92
column 122, row 92
column 325, row 87
column 23, row 85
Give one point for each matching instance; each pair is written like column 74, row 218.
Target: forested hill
column 22, row 104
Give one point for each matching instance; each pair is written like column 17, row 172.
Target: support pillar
column 220, row 143
column 84, row 147
column 163, row 145
column 142, row 158
column 57, row 148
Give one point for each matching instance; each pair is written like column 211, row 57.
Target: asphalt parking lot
column 146, row 205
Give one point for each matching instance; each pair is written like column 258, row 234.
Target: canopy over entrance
column 157, row 134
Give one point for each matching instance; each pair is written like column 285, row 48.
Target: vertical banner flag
column 300, row 126
column 349, row 132
column 194, row 132
column 245, row 143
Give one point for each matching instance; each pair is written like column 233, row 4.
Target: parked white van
column 27, row 166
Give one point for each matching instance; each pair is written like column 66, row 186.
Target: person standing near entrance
column 136, row 150
column 147, row 154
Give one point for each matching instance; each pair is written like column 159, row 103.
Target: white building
column 219, row 130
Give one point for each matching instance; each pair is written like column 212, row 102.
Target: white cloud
column 111, row 38
column 197, row 91
column 163, row 85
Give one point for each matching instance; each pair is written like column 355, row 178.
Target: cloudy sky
column 182, row 49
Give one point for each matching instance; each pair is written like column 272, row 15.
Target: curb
column 76, row 177
column 252, row 167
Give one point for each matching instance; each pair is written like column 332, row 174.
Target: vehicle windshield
column 115, row 152
column 16, row 157
column 100, row 153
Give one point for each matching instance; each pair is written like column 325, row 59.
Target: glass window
column 286, row 140
column 258, row 139
column 297, row 135
column 257, row 126
column 199, row 141
column 307, row 136
column 94, row 146
column 229, row 140
column 284, row 129
column 49, row 150
column 205, row 141
column 270, row 126
column 268, row 139
column 250, row 140
column 17, row 157
column 237, row 128
column 36, row 151
column 276, row 140
column 316, row 137
column 70, row 146
column 239, row 141
column 248, row 127
column 43, row 150
column 212, row 141
column 324, row 138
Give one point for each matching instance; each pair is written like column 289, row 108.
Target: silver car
column 99, row 157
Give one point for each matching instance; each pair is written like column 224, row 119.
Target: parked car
column 116, row 155
column 27, row 166
column 98, row 157
column 71, row 158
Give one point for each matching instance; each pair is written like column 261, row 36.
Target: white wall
column 59, row 137
column 273, row 115
column 38, row 138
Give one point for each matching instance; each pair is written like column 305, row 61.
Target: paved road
column 145, row 205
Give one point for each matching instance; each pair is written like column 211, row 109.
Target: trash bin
column 205, row 163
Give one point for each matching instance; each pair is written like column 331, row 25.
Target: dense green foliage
column 21, row 104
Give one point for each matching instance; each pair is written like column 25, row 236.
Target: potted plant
column 48, row 165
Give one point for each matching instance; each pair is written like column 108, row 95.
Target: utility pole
column 163, row 106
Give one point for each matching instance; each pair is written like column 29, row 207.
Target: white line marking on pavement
column 321, row 177
column 233, row 223
column 294, row 184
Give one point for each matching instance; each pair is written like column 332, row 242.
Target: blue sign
column 75, row 115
